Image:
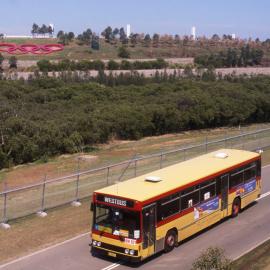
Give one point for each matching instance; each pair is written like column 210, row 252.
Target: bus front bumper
column 112, row 254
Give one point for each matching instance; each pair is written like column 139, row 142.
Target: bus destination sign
column 115, row 201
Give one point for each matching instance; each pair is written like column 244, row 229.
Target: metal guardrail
column 49, row 193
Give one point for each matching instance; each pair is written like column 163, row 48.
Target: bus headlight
column 126, row 250
column 98, row 244
column 94, row 243
column 132, row 252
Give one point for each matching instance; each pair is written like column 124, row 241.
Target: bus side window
column 236, row 177
column 250, row 172
column 168, row 206
column 208, row 190
column 259, row 167
column 218, row 185
column 190, row 199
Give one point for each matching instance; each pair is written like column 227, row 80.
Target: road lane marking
column 43, row 250
column 255, row 246
column 266, row 166
column 112, row 266
column 263, row 196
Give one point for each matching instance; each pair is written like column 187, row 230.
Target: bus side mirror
column 92, row 206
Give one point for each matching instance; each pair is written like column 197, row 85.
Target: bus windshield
column 117, row 221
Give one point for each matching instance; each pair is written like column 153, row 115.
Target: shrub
column 123, row 52
column 212, row 258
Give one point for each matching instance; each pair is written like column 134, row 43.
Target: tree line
column 242, row 57
column 42, row 30
column 47, row 116
column 66, row 64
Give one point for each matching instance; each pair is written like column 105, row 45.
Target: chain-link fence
column 50, row 193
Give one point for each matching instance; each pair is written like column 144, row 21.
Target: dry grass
column 32, row 233
column 113, row 152
column 257, row 259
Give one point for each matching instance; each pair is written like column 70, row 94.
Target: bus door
column 149, row 230
column 224, row 187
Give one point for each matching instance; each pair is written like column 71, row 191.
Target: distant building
column 193, row 32
column 128, row 30
column 233, row 36
column 27, row 36
column 17, row 36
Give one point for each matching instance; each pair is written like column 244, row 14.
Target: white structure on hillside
column 128, row 30
column 193, row 32
column 233, row 36
column 52, row 26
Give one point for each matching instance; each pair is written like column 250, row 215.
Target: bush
column 212, row 258
column 44, row 65
column 123, row 52
column 112, row 65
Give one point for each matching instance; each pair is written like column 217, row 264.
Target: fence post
column 76, row 201
column 4, row 223
column 206, row 144
column 5, row 219
column 242, row 139
column 43, row 194
column 135, row 167
column 161, row 159
column 41, row 212
column 77, row 187
column 108, row 174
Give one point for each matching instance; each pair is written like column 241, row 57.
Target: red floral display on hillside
column 12, row 48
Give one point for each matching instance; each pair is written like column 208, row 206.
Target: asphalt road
column 236, row 236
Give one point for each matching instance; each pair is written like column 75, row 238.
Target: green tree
column 112, row 65
column 123, row 37
column 44, row 65
column 35, row 29
column 71, row 35
column 123, row 52
column 212, row 258
column 147, row 40
column 1, row 61
column 108, row 34
column 95, row 45
column 12, row 62
column 156, row 40
column 60, row 33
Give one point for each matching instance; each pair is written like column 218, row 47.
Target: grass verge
column 257, row 259
column 33, row 233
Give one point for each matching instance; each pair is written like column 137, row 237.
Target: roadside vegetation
column 257, row 259
column 48, row 117
column 64, row 65
column 213, row 258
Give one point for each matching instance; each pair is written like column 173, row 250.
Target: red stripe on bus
column 112, row 236
column 146, row 202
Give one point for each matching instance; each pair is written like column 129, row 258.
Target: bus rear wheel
column 236, row 207
column 170, row 241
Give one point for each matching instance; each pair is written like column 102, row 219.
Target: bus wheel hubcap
column 170, row 241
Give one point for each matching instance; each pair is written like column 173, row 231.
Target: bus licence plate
column 111, row 254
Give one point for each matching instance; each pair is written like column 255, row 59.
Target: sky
column 245, row 18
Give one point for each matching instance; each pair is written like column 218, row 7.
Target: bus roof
column 180, row 174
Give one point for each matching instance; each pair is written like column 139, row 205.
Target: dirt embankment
column 249, row 71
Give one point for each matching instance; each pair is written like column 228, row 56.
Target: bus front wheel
column 236, row 207
column 170, row 241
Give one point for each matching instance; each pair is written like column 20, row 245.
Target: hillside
column 167, row 47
